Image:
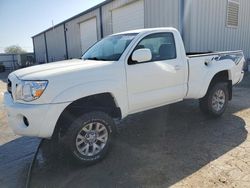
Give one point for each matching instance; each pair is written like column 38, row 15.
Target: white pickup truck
column 78, row 101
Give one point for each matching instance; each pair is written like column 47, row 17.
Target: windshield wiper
column 96, row 59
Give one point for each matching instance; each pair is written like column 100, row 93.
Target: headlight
column 30, row 90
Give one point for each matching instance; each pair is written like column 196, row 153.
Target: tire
column 88, row 138
column 216, row 100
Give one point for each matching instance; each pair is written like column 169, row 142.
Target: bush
column 2, row 68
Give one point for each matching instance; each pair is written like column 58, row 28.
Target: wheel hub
column 91, row 139
column 218, row 100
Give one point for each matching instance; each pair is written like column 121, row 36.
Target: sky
column 22, row 19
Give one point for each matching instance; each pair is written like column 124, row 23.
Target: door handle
column 177, row 67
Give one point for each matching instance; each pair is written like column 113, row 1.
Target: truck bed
column 203, row 64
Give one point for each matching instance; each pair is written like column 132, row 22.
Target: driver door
column 159, row 81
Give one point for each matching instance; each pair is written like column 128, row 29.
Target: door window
column 161, row 45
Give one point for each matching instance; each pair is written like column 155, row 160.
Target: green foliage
column 14, row 49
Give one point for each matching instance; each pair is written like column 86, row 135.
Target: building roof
column 76, row 16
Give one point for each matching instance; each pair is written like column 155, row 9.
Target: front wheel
column 88, row 138
column 216, row 100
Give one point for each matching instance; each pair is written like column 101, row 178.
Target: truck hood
column 45, row 71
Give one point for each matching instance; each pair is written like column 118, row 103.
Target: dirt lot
column 16, row 153
column 6, row 134
column 171, row 146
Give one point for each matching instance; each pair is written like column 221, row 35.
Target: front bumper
column 41, row 118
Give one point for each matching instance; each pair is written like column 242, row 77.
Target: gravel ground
column 6, row 133
column 16, row 153
column 171, row 146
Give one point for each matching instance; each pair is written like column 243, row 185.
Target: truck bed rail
column 202, row 54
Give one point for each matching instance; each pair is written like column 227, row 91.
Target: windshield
column 110, row 48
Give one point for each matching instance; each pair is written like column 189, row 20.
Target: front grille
column 9, row 86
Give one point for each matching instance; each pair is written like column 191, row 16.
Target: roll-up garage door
column 128, row 17
column 88, row 33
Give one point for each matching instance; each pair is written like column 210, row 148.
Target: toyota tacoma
column 80, row 101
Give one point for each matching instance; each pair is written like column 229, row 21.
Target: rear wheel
column 216, row 100
column 89, row 137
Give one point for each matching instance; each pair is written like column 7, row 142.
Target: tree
column 14, row 49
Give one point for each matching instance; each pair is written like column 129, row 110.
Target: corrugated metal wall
column 107, row 14
column 39, row 48
column 56, row 44
column 162, row 13
column 205, row 27
column 10, row 61
column 73, row 33
column 158, row 13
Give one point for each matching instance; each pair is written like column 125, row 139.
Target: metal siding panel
column 158, row 13
column 107, row 15
column 73, row 33
column 9, row 61
column 128, row 17
column 39, row 46
column 88, row 33
column 56, row 44
column 162, row 13
column 187, row 24
column 204, row 25
column 208, row 31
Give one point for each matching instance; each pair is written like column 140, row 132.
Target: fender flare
column 80, row 91
column 224, row 65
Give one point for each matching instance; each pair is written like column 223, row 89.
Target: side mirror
column 142, row 55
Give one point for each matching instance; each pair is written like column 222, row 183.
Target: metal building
column 206, row 25
column 14, row 61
